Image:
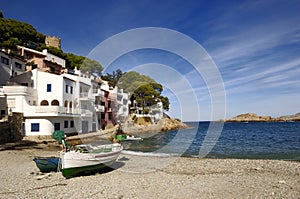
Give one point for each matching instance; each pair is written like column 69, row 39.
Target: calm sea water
column 278, row 140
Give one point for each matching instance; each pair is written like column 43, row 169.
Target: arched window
column 44, row 103
column 55, row 103
column 66, row 103
column 66, row 106
column 70, row 105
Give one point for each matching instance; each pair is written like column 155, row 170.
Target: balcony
column 22, row 90
column 85, row 96
column 86, row 112
column 49, row 109
column 54, row 109
column 36, row 111
column 99, row 108
column 98, row 92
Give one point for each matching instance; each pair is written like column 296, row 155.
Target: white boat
column 87, row 158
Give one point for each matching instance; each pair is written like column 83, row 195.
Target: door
column 85, row 126
column 56, row 126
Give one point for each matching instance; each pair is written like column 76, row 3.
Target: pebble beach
column 149, row 177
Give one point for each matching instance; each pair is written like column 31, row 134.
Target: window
column 3, row 112
column 55, row 103
column 67, row 88
column 48, row 87
column 71, row 89
column 18, row 65
column 66, row 124
column 44, row 103
column 35, row 127
column 4, row 60
column 56, row 126
column 71, row 123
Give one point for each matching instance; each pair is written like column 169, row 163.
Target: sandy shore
column 150, row 177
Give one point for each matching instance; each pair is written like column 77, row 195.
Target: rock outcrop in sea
column 252, row 117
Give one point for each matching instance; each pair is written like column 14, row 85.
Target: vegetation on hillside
column 142, row 88
column 14, row 32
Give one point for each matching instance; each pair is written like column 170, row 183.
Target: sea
column 253, row 140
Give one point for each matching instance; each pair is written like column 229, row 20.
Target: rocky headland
column 136, row 125
column 252, row 117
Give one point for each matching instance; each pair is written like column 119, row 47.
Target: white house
column 47, row 103
column 87, row 93
column 10, row 66
column 44, row 60
column 122, row 103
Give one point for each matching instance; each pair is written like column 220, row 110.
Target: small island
column 252, row 117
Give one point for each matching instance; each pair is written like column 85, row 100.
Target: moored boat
column 47, row 164
column 87, row 158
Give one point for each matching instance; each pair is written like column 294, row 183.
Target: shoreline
column 150, row 177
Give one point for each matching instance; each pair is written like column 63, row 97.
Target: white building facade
column 53, row 102
column 10, row 66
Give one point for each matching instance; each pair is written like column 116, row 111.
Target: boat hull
column 84, row 170
column 47, row 164
column 76, row 163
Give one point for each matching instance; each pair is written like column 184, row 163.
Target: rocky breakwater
column 143, row 124
column 252, row 117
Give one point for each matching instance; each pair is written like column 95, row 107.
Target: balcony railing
column 85, row 96
column 98, row 92
column 86, row 112
column 99, row 108
column 18, row 89
column 55, row 110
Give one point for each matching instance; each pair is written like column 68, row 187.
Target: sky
column 215, row 59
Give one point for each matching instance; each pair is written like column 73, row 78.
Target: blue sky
column 255, row 46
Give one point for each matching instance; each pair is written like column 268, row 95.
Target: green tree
column 165, row 101
column 24, row 32
column 91, row 66
column 146, row 91
column 73, row 61
column 55, row 51
column 113, row 79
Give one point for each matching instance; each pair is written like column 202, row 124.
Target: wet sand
column 149, row 177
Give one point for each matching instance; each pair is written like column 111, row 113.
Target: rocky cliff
column 135, row 125
column 252, row 117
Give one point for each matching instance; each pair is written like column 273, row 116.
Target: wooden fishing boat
column 47, row 164
column 87, row 158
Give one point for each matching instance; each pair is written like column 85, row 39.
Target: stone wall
column 11, row 130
